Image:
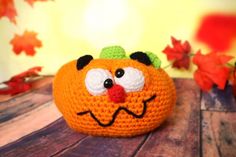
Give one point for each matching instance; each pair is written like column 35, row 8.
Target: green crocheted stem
column 113, row 52
column 156, row 62
column 117, row 52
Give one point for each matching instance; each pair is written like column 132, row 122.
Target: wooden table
column 203, row 124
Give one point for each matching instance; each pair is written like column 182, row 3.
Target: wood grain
column 219, row 100
column 219, row 134
column 24, row 103
column 179, row 136
column 46, row 142
column 27, row 123
column 105, row 147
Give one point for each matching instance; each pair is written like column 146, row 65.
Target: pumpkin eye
column 130, row 78
column 108, row 83
column 119, row 73
column 97, row 81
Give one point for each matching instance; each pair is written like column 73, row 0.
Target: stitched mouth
column 117, row 112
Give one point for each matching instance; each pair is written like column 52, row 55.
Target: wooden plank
column 22, row 104
column 105, row 147
column 219, row 134
column 43, row 86
column 45, row 80
column 5, row 98
column 180, row 134
column 27, row 123
column 219, row 100
column 46, row 142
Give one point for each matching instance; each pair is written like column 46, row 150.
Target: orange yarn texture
column 100, row 116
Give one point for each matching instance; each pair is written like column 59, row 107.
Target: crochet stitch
column 113, row 52
column 116, row 97
column 156, row 62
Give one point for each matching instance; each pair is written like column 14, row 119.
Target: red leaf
column 26, row 42
column 18, row 83
column 233, row 79
column 178, row 53
column 29, row 73
column 211, row 70
column 31, row 2
column 7, row 9
column 218, row 31
column 15, row 88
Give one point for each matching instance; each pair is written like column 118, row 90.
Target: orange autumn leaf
column 31, row 2
column 26, row 42
column 211, row 70
column 7, row 9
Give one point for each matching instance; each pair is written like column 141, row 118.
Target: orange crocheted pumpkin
column 114, row 95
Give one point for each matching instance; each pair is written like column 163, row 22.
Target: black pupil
column 119, row 73
column 108, row 83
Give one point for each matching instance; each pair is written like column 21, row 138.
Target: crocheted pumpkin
column 114, row 95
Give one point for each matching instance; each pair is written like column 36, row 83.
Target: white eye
column 130, row 78
column 94, row 81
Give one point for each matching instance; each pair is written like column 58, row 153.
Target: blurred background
column 69, row 29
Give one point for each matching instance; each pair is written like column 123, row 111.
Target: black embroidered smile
column 117, row 112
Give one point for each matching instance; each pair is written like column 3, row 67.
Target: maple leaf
column 218, row 31
column 7, row 9
column 26, row 42
column 31, row 2
column 179, row 53
column 211, row 70
column 19, row 83
column 32, row 72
